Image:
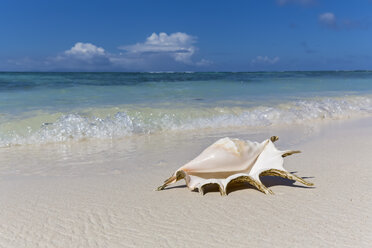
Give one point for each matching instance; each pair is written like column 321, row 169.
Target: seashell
column 229, row 161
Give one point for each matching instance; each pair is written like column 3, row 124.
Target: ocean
column 38, row 108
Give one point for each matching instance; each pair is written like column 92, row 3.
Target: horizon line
column 278, row 71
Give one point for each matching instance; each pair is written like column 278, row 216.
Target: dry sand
column 97, row 194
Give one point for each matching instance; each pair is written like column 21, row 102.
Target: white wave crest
column 151, row 120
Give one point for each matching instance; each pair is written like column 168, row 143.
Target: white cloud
column 159, row 52
column 85, row 51
column 82, row 56
column 265, row 60
column 328, row 19
column 177, row 45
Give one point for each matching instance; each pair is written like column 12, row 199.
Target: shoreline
column 102, row 194
column 123, row 121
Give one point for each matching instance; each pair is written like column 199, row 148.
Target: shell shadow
column 238, row 186
column 268, row 181
column 176, row 187
column 209, row 188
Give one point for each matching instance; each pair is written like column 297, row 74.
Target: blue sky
column 203, row 35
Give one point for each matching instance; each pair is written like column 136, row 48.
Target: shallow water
column 56, row 107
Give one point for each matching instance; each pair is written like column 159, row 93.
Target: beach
column 186, row 124
column 81, row 155
column 102, row 193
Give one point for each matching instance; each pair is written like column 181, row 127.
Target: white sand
column 97, row 194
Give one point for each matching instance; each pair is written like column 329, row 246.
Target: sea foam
column 129, row 121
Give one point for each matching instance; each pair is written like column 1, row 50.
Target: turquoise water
column 52, row 107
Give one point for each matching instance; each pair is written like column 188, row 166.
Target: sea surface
column 38, row 108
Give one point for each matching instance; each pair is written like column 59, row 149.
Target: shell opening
column 211, row 187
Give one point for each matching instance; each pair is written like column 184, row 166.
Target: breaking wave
column 134, row 120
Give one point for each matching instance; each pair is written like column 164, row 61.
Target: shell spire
column 230, row 161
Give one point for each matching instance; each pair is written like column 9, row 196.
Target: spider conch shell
column 234, row 160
